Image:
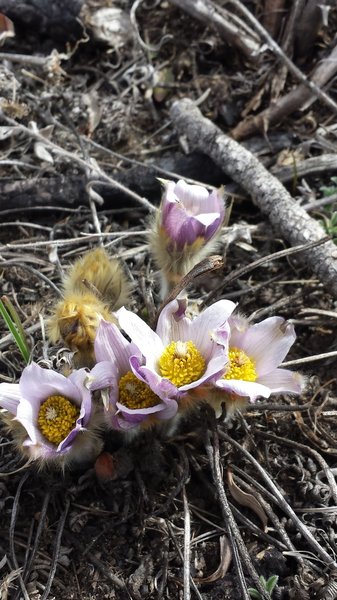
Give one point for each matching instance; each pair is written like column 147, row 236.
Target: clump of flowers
column 182, row 352
column 188, row 220
column 134, row 376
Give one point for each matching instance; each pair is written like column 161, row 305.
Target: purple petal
column 190, row 212
column 10, row 396
column 283, row 380
column 111, row 345
column 180, row 227
column 162, row 387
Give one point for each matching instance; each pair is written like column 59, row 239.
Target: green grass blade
column 15, row 329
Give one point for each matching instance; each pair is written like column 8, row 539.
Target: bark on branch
column 288, row 218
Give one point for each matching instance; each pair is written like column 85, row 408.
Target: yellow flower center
column 240, row 366
column 181, row 363
column 57, row 417
column 134, row 393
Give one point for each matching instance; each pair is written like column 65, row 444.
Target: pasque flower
column 189, row 217
column 54, row 418
column 255, row 353
column 190, row 214
column 182, row 353
column 129, row 401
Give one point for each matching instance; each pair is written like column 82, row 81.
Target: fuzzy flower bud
column 188, row 219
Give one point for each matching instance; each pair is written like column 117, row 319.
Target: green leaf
column 271, row 583
column 13, row 323
column 254, row 593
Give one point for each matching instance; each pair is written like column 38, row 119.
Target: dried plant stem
column 87, row 165
column 187, row 547
column 11, row 533
column 297, row 98
column 229, row 25
column 238, row 546
column 41, row 525
column 314, row 89
column 316, row 547
column 316, row 455
column 56, row 551
column 288, row 218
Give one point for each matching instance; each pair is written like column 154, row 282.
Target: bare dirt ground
column 86, row 129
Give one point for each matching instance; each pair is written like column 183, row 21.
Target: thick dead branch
column 290, row 102
column 288, row 218
column 229, row 26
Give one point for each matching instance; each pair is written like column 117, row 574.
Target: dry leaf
column 245, row 499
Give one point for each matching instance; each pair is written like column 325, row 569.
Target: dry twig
column 291, row 102
column 288, row 218
column 230, row 27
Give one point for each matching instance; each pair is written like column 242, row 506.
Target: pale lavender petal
column 27, row 416
column 215, row 367
column 222, row 336
column 79, row 377
column 148, row 342
column 283, row 380
column 194, row 197
column 246, row 389
column 135, row 413
column 209, row 219
column 216, row 202
column 102, row 375
column 10, row 396
column 37, row 384
column 111, row 345
column 172, row 325
column 204, row 326
column 268, row 343
column 81, row 422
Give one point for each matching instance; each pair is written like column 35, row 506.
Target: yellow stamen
column 57, row 417
column 181, row 363
column 134, row 393
column 240, row 366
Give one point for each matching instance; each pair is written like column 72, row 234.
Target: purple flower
column 255, row 353
column 182, row 354
column 190, row 213
column 131, row 400
column 54, row 417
